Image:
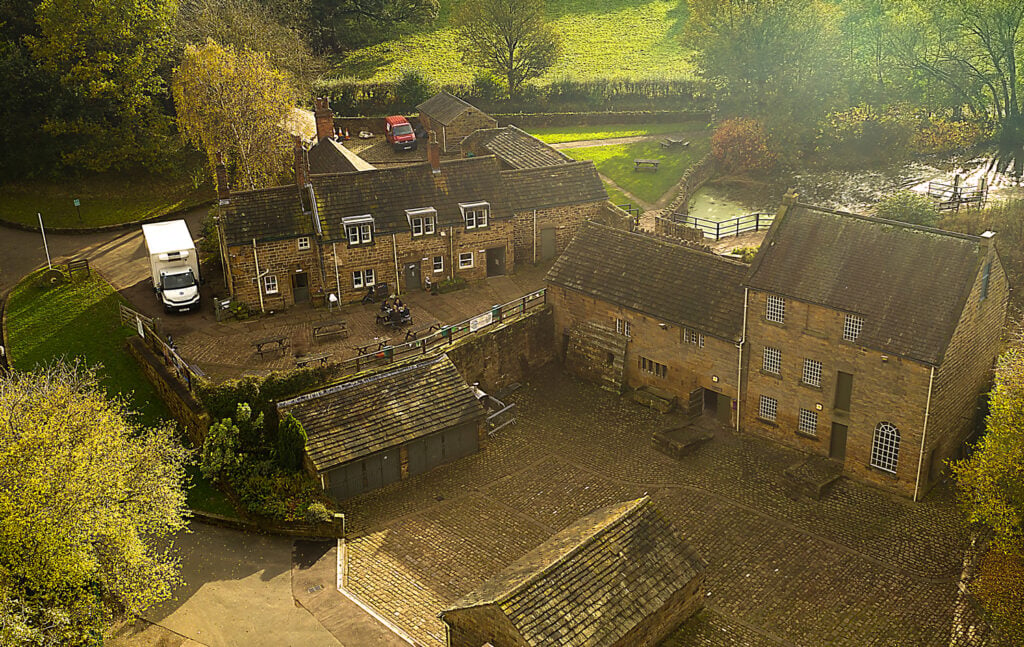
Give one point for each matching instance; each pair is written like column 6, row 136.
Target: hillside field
column 602, row 39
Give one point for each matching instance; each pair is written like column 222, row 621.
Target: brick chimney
column 985, row 243
column 301, row 162
column 324, row 119
column 434, row 153
column 223, row 189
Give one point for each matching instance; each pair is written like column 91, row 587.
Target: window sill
column 357, row 245
column 765, row 421
column 777, row 376
column 808, row 436
column 881, row 472
column 810, row 386
column 772, row 323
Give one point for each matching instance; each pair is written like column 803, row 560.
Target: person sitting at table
column 398, row 304
column 406, row 315
column 384, row 307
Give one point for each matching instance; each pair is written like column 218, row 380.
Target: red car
column 399, row 133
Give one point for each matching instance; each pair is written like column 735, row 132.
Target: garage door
column 367, row 474
column 459, row 443
column 438, row 449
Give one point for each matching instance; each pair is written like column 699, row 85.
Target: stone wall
column 692, row 180
column 507, row 353
column 656, row 627
column 679, row 232
column 481, row 625
column 885, row 388
column 280, row 258
column 565, row 220
column 183, row 406
column 613, row 216
column 526, row 120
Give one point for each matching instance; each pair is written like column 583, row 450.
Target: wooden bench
column 329, row 329
column 306, row 360
column 78, row 265
column 412, row 335
column 278, row 344
column 651, row 164
column 672, row 143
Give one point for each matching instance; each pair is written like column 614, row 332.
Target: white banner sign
column 480, row 321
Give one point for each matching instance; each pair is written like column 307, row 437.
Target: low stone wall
column 373, row 124
column 613, row 216
column 508, row 353
column 678, row 231
column 184, row 407
column 692, row 180
column 325, row 530
column 525, row 120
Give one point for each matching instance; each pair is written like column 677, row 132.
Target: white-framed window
column 768, row 408
column 362, row 279
column 808, row 422
column 361, row 234
column 421, row 221
column 303, row 243
column 475, row 214
column 652, row 367
column 438, row 263
column 852, row 326
column 812, row 372
column 465, row 260
column 693, row 337
column 885, row 447
column 772, row 361
column 623, row 327
column 270, row 284
column 775, row 309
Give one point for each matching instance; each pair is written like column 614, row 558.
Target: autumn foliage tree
column 741, row 146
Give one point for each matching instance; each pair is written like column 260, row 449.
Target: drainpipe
column 534, row 236
column 451, row 250
column 739, row 358
column 337, row 278
column 259, row 275
column 398, row 277
column 924, row 432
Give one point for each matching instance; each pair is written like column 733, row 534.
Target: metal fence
column 723, row 228
column 186, row 373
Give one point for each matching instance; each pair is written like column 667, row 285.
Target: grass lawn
column 80, row 319
column 616, row 163
column 618, row 197
column 614, row 39
column 105, row 199
column 560, row 134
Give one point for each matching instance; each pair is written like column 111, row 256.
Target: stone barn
column 365, row 434
column 451, row 120
column 620, row 577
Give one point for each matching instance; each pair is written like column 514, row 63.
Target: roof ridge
column 888, row 221
column 344, row 386
column 660, row 240
column 265, row 189
column 405, row 168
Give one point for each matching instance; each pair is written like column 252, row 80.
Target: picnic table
column 329, row 329
column 671, row 142
column 306, row 360
column 412, row 335
column 393, row 319
column 277, row 343
column 380, row 342
column 651, row 164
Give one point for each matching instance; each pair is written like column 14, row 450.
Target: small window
column 622, row 327
column 852, row 327
column 475, row 214
column 772, row 362
column 768, row 408
column 270, row 284
column 359, row 234
column 304, row 243
column 428, row 225
column 654, row 368
column 465, row 260
column 693, row 337
column 417, row 226
column 808, row 422
column 362, row 279
column 439, row 263
column 885, row 447
column 812, row 373
column 421, row 221
column 775, row 310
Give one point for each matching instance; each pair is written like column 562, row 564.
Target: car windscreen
column 178, row 281
column 403, row 129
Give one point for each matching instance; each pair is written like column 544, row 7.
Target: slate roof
column 909, row 283
column 443, row 107
column 656, row 277
column 514, row 147
column 387, row 193
column 349, row 421
column 591, row 583
column 330, row 156
column 554, row 186
column 266, row 214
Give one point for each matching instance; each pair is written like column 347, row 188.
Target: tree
column 990, row 487
column 413, row 89
column 509, row 38
column 908, row 206
column 291, row 443
column 234, row 102
column 88, row 503
column 740, row 146
column 346, row 24
column 108, row 56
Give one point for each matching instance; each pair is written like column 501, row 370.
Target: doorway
column 837, row 444
column 496, row 261
column 300, row 287
column 412, row 276
column 719, row 405
column 547, row 243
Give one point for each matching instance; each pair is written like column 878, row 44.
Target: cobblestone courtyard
column 859, row 568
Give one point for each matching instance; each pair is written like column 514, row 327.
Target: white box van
column 174, row 264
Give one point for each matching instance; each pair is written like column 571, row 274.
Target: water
column 713, row 203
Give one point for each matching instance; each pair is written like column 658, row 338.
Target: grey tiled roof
column 443, row 107
column 387, row 193
column 593, row 582
column 349, row 421
column 554, row 186
column 330, row 156
column 909, row 283
column 664, row 280
column 514, row 147
column 266, row 214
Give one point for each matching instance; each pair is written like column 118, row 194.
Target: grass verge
column 560, row 134
column 80, row 320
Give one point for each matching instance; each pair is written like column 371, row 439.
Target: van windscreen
column 403, row 129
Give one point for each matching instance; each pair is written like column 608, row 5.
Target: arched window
column 885, row 448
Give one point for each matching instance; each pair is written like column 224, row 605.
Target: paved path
column 611, row 141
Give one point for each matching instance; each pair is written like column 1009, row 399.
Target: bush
column 939, row 135
column 741, row 146
column 907, row 206
column 413, row 89
column 747, row 253
column 210, row 243
column 863, row 131
column 318, row 513
column 291, row 442
column 452, row 284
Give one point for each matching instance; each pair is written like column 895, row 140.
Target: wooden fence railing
column 186, row 373
column 732, row 227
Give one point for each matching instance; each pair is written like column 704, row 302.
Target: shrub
column 747, row 253
column 452, row 284
column 939, row 135
column 741, row 146
column 291, row 442
column 413, row 89
column 907, row 206
column 864, row 131
column 220, row 457
column 318, row 513
column 210, row 243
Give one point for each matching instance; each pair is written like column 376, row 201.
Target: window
column 439, row 263
column 885, row 448
column 270, row 284
column 421, row 221
column 812, row 373
column 775, row 310
column 768, row 408
column 475, row 214
column 808, row 422
column 652, row 367
column 852, row 327
column 985, row 271
column 622, row 327
column 359, row 234
column 693, row 337
column 362, row 279
column 772, row 362
column 465, row 260
column 304, row 243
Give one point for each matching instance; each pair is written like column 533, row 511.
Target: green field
column 561, row 134
column 601, row 39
